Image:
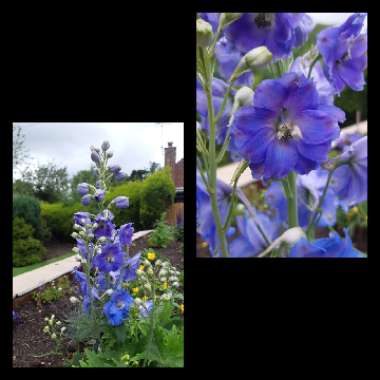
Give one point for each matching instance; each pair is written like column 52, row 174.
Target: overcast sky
column 67, row 144
column 333, row 18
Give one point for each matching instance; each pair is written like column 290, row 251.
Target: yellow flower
column 165, row 285
column 204, row 244
column 151, row 256
column 182, row 308
column 141, row 267
column 145, row 298
column 135, row 290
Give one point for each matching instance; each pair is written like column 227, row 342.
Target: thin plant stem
column 312, row 65
column 292, row 200
column 212, row 171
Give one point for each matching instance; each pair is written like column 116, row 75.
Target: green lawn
column 17, row 271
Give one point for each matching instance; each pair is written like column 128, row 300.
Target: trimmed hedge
column 59, row 219
column 26, row 249
column 28, row 208
column 148, row 199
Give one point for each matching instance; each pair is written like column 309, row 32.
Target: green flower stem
column 292, row 200
column 212, row 169
column 312, row 65
column 317, row 212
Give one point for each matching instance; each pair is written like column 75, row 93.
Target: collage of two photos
column 99, row 240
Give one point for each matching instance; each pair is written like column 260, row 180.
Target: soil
column 56, row 248
column 29, row 341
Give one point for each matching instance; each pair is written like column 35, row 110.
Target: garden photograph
column 98, row 245
column 281, row 135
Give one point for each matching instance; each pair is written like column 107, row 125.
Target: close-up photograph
column 281, row 120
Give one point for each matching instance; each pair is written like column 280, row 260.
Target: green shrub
column 26, row 249
column 53, row 292
column 179, row 233
column 28, row 208
column 157, row 195
column 131, row 214
column 59, row 218
column 162, row 235
column 43, row 233
column 148, row 199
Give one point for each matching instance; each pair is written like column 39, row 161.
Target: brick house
column 175, row 213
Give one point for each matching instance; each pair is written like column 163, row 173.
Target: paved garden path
column 26, row 282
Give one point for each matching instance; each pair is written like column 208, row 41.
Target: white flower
column 109, row 291
column 60, row 289
column 46, row 329
column 54, row 336
column 63, row 329
column 74, row 300
column 58, row 323
column 176, row 284
column 75, row 250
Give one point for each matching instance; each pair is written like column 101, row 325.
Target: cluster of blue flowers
column 290, row 126
column 102, row 248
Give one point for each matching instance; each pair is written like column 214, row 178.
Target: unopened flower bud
column 109, row 291
column 75, row 235
column 82, row 233
column 77, row 227
column 63, row 329
column 163, row 279
column 204, row 33
column 139, row 272
column 138, row 301
column 149, row 271
column 176, row 284
column 105, row 145
column 102, row 239
column 148, row 287
column 158, row 263
column 109, row 154
column 46, row 329
column 228, row 18
column 256, row 58
column 54, row 336
column 75, row 250
column 78, row 257
column 58, row 323
column 173, row 279
column 95, row 157
column 74, row 300
column 243, row 97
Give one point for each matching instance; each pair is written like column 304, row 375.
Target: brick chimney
column 170, row 156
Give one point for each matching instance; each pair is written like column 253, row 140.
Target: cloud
column 67, row 144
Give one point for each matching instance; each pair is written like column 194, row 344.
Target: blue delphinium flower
column 121, row 202
column 83, row 188
column 279, row 32
column 310, row 189
column 86, row 199
column 126, row 234
column 110, row 259
column 333, row 246
column 344, row 52
column 120, row 176
column 228, row 58
column 105, row 226
column 345, row 139
column 211, row 18
column 83, row 248
column 251, row 241
column 131, row 267
column 286, row 129
column 117, row 308
column 325, row 89
column 146, row 308
column 82, row 218
column 205, row 220
column 99, row 195
column 218, row 89
column 16, row 317
column 114, row 168
column 81, row 278
column 349, row 181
